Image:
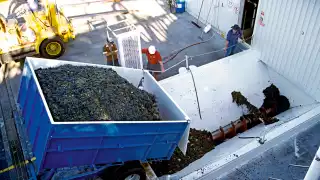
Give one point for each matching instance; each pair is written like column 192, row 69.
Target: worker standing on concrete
column 110, row 50
column 154, row 61
column 233, row 36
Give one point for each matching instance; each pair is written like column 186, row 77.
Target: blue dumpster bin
column 180, row 6
column 59, row 145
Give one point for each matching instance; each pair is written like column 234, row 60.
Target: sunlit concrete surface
column 167, row 31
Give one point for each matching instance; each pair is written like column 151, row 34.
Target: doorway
column 248, row 19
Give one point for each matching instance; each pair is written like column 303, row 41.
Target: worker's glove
column 225, row 49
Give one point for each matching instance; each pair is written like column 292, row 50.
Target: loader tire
column 52, row 48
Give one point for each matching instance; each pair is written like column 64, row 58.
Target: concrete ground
column 168, row 32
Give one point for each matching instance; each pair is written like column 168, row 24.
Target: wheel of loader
column 52, row 48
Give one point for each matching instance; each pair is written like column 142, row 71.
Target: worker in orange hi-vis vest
column 155, row 64
column 110, row 50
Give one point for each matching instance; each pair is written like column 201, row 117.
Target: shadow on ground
column 168, row 32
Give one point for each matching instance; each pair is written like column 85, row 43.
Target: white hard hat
column 152, row 49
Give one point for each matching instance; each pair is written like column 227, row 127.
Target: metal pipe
column 187, row 62
column 207, row 18
column 314, row 170
column 200, row 11
column 209, row 11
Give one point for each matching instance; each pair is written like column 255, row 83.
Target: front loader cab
column 52, row 28
column 35, row 5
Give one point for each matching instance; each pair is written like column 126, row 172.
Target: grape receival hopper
column 70, row 144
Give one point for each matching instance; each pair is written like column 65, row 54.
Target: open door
column 248, row 19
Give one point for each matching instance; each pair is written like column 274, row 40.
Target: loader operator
column 35, row 5
column 155, row 64
column 234, row 34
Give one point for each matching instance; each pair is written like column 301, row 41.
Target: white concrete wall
column 224, row 13
column 215, row 82
column 289, row 41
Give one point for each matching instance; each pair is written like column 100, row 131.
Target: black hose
column 173, row 55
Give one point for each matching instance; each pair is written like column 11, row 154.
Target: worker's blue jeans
column 230, row 50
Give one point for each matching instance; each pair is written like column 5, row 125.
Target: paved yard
column 168, row 32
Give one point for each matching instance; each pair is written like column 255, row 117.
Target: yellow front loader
column 43, row 33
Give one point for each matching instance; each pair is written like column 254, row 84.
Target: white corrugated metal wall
column 289, row 41
column 223, row 14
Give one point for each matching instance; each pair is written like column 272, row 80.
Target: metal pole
column 200, row 11
column 106, row 28
column 207, row 19
column 187, row 63
column 314, row 170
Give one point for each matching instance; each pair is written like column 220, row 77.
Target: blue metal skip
column 70, row 144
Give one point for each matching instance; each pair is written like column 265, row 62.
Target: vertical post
column 314, row 172
column 187, row 63
column 106, row 28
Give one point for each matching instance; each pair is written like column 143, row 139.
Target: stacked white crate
column 129, row 45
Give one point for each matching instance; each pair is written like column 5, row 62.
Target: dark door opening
column 248, row 19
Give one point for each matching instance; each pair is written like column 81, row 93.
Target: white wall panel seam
column 315, row 79
column 297, row 44
column 289, row 42
column 316, row 61
column 308, row 49
column 272, row 28
column 280, row 28
column 290, row 39
column 317, row 84
column 294, row 38
column 283, row 54
column 315, row 91
column 283, row 50
column 296, row 68
column 302, row 45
